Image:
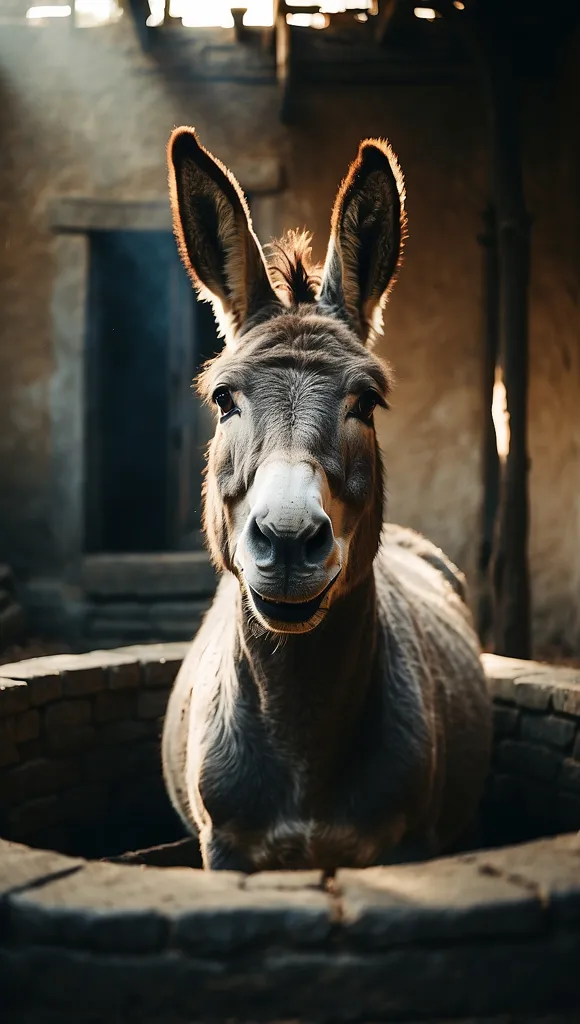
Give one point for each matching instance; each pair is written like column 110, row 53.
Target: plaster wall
column 89, row 114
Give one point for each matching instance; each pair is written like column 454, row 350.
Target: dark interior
column 147, row 336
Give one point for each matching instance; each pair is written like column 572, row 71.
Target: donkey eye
column 365, row 406
column 223, row 399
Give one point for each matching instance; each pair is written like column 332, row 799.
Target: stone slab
column 464, row 981
column 22, row 867
column 533, row 685
column 171, row 574
column 439, row 900
column 552, row 730
column 114, row 909
column 550, row 866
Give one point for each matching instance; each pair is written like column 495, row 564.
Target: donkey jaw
column 290, row 616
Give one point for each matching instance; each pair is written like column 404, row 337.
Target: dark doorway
column 145, row 432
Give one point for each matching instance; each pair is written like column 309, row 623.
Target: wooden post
column 283, row 42
column 510, row 574
column 491, row 467
column 511, row 587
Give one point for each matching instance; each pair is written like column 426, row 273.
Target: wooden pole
column 510, row 574
column 491, row 466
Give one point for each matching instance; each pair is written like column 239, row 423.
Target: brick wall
column 535, row 781
column 80, row 749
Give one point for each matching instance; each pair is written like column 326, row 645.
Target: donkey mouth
column 290, row 611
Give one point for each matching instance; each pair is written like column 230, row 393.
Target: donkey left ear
column 367, row 233
column 214, row 232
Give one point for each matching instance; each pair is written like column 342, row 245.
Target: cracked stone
column 20, row 866
column 112, row 908
column 552, row 866
column 438, row 900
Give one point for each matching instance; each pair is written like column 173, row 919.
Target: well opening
column 80, row 751
column 80, row 764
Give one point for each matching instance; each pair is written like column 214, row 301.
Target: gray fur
column 363, row 737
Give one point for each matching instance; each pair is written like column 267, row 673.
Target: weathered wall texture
column 90, row 115
column 552, row 152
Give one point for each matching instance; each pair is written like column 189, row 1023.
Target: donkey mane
column 291, row 268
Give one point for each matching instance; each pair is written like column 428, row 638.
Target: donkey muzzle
column 287, row 550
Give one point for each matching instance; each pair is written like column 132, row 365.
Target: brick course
column 80, row 754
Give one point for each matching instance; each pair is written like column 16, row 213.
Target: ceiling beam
column 387, row 9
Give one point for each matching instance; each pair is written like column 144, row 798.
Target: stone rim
column 177, row 944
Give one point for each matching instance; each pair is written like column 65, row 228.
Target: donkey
column 332, row 709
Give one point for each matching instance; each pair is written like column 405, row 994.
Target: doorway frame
column 72, row 219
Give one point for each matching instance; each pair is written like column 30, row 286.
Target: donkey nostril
column 319, row 546
column 261, row 544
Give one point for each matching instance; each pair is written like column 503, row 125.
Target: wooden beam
column 387, row 9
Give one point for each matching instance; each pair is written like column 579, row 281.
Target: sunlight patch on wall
column 500, row 416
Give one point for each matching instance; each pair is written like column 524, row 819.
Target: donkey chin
column 287, row 556
column 286, row 615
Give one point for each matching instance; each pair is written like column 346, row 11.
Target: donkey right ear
column 214, row 233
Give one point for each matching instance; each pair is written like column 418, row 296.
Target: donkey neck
column 312, row 686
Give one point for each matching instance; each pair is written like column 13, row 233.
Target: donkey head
column 294, row 488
